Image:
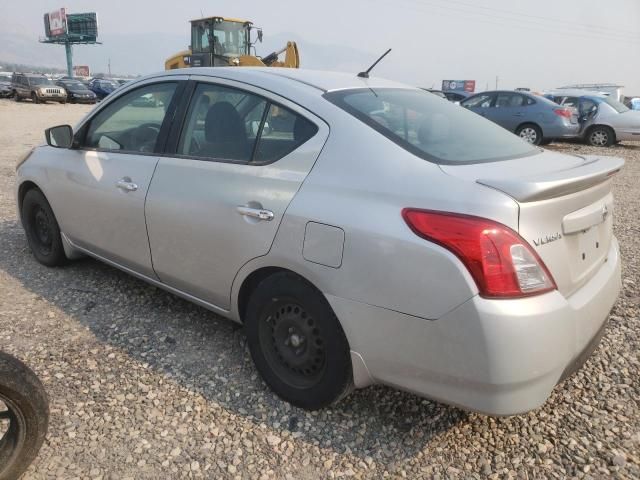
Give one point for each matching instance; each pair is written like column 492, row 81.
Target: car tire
column 42, row 230
column 34, row 98
column 530, row 133
column 601, row 136
column 25, row 403
column 297, row 343
column 17, row 97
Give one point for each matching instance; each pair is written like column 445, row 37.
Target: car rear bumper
column 561, row 130
column 498, row 357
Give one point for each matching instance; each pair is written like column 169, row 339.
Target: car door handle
column 127, row 185
column 519, row 114
column 259, row 213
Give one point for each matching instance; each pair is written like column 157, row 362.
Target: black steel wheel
column 42, row 230
column 24, row 416
column 297, row 342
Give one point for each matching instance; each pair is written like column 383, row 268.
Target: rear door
column 217, row 198
column 508, row 110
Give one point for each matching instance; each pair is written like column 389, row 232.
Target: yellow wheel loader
column 226, row 42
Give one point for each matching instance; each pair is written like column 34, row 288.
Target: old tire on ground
column 601, row 136
column 297, row 342
column 42, row 230
column 530, row 133
column 24, row 416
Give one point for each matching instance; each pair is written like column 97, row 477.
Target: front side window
column 437, row 131
column 228, row 124
column 124, row 126
column 482, row 100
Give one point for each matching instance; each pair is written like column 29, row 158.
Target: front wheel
column 24, row 416
column 601, row 137
column 297, row 343
column 42, row 230
column 34, row 98
column 530, row 133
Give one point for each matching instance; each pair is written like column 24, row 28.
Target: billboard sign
column 83, row 26
column 459, row 85
column 81, row 70
column 57, row 23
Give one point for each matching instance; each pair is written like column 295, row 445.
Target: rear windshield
column 617, row 106
column 430, row 127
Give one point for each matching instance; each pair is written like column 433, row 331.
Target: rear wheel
column 42, row 230
column 16, row 97
column 297, row 343
column 24, row 416
column 530, row 133
column 601, row 136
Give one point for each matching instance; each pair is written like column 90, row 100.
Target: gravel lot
column 145, row 385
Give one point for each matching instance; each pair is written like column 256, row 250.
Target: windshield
column 73, row 84
column 40, row 81
column 429, row 127
column 616, row 105
column 108, row 85
column 223, row 37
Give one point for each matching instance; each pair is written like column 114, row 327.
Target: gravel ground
column 145, row 385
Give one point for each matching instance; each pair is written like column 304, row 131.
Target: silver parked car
column 362, row 231
column 603, row 120
column 533, row 118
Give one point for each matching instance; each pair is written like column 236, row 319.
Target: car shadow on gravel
column 207, row 355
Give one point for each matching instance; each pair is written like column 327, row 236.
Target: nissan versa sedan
column 533, row 118
column 361, row 230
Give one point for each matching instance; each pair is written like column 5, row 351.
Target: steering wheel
column 144, row 136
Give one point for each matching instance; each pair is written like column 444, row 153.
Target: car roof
column 575, row 93
column 320, row 80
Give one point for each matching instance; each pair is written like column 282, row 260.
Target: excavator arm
column 291, row 58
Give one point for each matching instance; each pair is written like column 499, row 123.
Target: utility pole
column 496, row 82
column 109, row 67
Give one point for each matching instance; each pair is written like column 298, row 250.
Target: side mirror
column 60, row 136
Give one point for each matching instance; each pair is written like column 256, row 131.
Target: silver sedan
column 362, row 231
column 603, row 120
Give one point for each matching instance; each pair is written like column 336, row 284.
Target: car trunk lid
column 565, row 205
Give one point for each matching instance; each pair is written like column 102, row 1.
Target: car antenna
column 366, row 73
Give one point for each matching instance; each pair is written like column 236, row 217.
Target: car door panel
column 200, row 214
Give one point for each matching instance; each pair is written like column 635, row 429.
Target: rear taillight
column 500, row 261
column 563, row 112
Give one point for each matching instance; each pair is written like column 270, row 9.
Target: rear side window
column 229, row 124
column 437, row 131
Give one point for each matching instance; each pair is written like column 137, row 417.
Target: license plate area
column 589, row 250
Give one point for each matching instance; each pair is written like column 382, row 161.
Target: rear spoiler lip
column 537, row 187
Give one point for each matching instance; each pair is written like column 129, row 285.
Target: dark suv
column 36, row 87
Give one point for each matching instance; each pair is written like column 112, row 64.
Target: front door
column 218, row 201
column 101, row 184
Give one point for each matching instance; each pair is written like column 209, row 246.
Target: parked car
column 533, row 118
column 603, row 120
column 5, row 89
column 443, row 255
column 38, row 88
column 77, row 92
column 102, row 87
